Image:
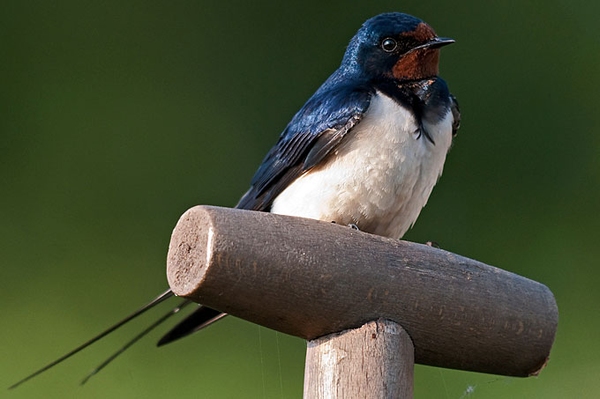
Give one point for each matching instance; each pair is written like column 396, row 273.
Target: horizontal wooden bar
column 309, row 278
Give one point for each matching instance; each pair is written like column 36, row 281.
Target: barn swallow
column 365, row 150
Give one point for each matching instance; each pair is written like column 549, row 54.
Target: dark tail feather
column 135, row 339
column 165, row 295
column 196, row 321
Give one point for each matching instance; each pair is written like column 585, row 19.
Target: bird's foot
column 433, row 244
column 351, row 225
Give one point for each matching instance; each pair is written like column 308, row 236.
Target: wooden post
column 372, row 361
column 311, row 279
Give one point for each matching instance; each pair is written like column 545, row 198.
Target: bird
column 365, row 150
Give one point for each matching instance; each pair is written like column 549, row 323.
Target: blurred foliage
column 118, row 116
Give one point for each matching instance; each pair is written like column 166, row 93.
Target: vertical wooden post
column 372, row 361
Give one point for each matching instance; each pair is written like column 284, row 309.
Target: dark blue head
column 395, row 46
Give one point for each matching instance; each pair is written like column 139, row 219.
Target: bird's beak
column 436, row 42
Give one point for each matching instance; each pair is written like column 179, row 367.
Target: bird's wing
column 312, row 134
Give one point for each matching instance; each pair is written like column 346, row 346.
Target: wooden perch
column 309, row 279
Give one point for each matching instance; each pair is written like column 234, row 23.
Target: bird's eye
column 389, row 45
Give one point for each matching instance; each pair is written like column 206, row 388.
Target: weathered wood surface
column 372, row 361
column 309, row 279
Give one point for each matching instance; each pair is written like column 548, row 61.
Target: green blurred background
column 117, row 116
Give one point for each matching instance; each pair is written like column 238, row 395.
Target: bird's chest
column 380, row 176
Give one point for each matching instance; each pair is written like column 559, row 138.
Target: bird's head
column 396, row 46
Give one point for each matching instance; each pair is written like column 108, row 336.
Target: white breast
column 379, row 178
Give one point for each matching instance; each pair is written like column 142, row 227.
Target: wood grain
column 309, row 279
column 375, row 360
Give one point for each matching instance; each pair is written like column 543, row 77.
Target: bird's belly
column 379, row 178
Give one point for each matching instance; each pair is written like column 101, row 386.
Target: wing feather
column 307, row 140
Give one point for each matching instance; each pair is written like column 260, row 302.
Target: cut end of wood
column 189, row 251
